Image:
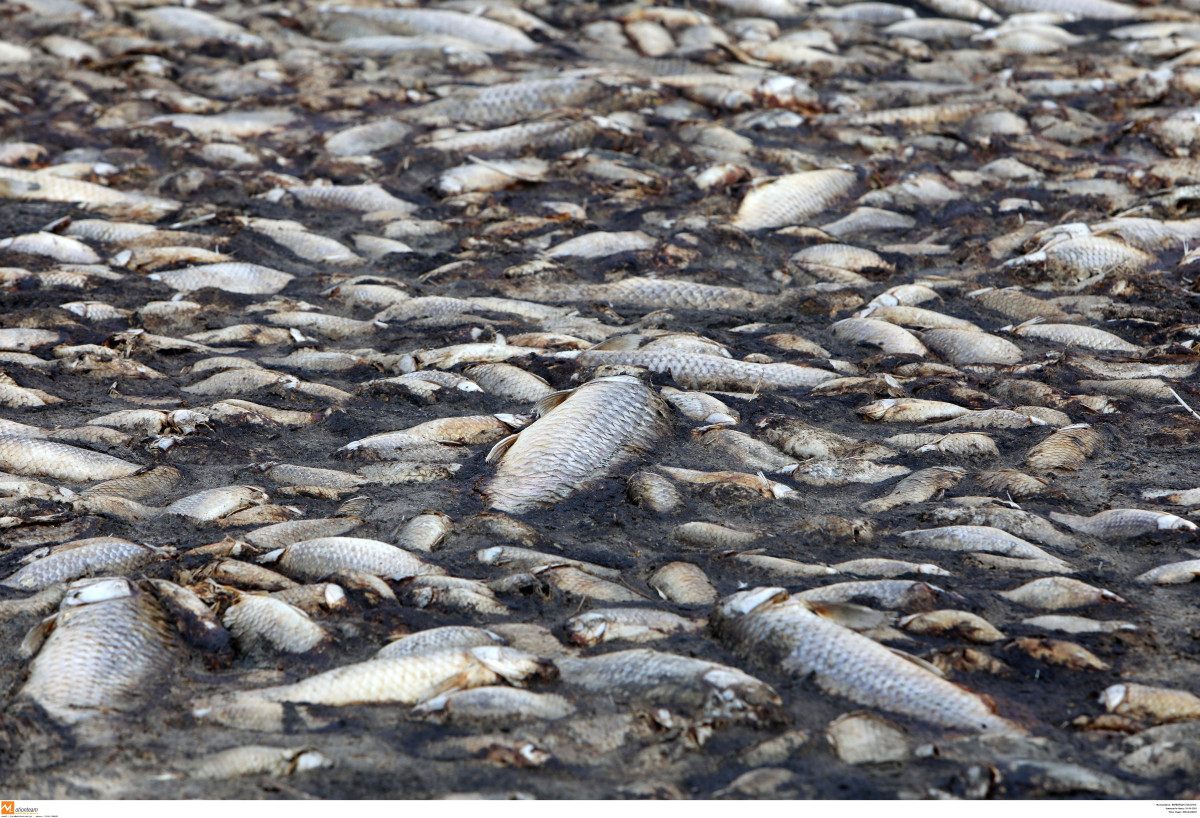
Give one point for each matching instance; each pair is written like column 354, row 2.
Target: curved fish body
column 794, row 198
column 768, row 626
column 259, row 619
column 108, row 642
column 582, row 436
column 34, row 457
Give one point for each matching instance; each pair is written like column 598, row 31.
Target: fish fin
column 1037, row 319
column 550, row 401
column 459, row 681
column 36, row 637
column 919, row 662
column 849, row 615
column 500, row 448
column 623, row 343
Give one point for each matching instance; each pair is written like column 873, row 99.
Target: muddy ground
column 382, row 752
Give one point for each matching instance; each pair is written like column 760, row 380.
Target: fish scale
column 46, row 458
column 595, row 429
column 766, row 627
column 101, row 656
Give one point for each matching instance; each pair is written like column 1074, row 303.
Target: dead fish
column 495, row 704
column 510, row 382
column 212, row 504
column 744, row 449
column 255, row 619
column 44, row 458
column 1059, row 652
column 628, row 624
column 432, row 640
column 582, row 435
column 81, row 558
column 283, row 534
column 424, row 532
column 1066, row 449
column 780, row 567
column 1173, row 573
column 255, row 759
column 232, row 276
column 107, row 644
column 917, row 488
column 1077, row 624
column 1013, row 520
column 408, row 679
column 319, row 558
column 1059, row 593
column 990, row 419
column 977, row 538
column 1123, row 523
column 964, row 444
column 952, row 623
column 910, row 410
column 1073, row 335
column 755, row 483
column 803, row 440
column 961, row 347
column 1159, row 704
column 883, row 567
column 708, row 371
column 575, row 582
column 793, row 199
column 700, row 407
column 653, row 491
column 891, row 339
column 683, row 583
column 712, row 534
column 711, row 689
column 524, row 559
column 885, row 593
column 767, row 626
column 844, row 472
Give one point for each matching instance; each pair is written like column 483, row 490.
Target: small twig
column 1183, row 404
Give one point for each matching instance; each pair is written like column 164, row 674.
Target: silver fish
column 767, row 626
column 581, row 436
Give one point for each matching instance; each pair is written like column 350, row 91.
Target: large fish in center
column 582, row 435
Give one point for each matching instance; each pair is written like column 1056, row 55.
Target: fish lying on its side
column 582, row 435
column 766, row 625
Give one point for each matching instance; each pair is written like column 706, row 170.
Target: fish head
column 1169, row 522
column 743, row 603
column 514, row 665
column 1113, row 696
column 740, row 697
column 102, row 589
column 586, row 629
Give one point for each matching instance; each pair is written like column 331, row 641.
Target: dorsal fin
column 550, row 401
column 623, row 343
